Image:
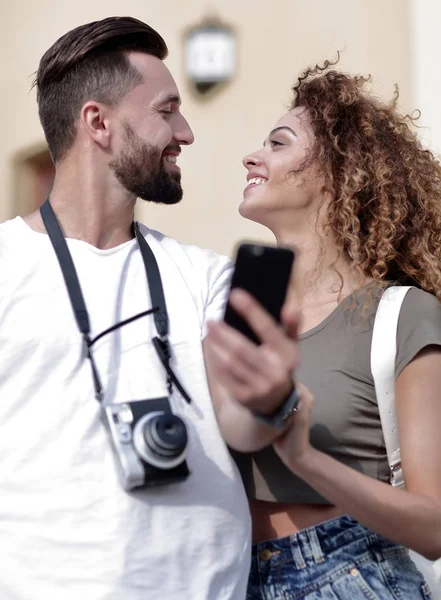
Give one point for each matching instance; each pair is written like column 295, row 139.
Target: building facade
column 394, row 40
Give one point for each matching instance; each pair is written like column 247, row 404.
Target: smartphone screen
column 264, row 272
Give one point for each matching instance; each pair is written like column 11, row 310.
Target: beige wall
column 425, row 44
column 275, row 40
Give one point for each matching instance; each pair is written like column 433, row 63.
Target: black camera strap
column 159, row 310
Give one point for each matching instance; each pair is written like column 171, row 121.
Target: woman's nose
column 251, row 160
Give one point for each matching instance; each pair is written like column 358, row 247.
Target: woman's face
column 281, row 178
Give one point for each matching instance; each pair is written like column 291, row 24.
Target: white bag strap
column 383, row 352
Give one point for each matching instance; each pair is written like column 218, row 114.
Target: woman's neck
column 322, row 277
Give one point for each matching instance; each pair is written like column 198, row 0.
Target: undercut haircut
column 89, row 63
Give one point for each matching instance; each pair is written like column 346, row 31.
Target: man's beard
column 140, row 169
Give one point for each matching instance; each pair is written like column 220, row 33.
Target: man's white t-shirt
column 67, row 529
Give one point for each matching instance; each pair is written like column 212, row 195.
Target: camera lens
column 166, row 435
column 161, row 439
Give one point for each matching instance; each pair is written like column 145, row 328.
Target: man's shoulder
column 187, row 256
column 203, row 273
column 9, row 230
column 10, row 225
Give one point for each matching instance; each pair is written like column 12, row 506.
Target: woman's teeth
column 256, row 181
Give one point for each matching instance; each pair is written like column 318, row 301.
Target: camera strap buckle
column 99, row 394
column 162, row 348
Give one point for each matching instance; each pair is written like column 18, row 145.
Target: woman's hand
column 258, row 377
column 293, row 447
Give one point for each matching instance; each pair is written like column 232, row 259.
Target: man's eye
column 166, row 111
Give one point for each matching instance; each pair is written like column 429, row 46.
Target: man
column 111, row 115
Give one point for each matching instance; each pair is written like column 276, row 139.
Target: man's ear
column 96, row 123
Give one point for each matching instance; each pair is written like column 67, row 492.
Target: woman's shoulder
column 419, row 325
column 421, row 303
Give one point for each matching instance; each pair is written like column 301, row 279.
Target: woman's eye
column 275, row 143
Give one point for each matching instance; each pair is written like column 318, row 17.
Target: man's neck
column 89, row 212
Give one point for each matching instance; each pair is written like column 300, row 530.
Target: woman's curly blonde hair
column 386, row 188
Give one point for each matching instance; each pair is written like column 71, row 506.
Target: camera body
column 149, row 442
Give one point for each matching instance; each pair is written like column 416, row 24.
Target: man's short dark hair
column 89, row 63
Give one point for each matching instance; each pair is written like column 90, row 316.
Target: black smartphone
column 264, row 272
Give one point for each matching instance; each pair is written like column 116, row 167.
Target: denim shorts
column 336, row 560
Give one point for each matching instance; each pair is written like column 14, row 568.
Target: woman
column 343, row 179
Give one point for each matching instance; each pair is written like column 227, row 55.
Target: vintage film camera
column 149, row 442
